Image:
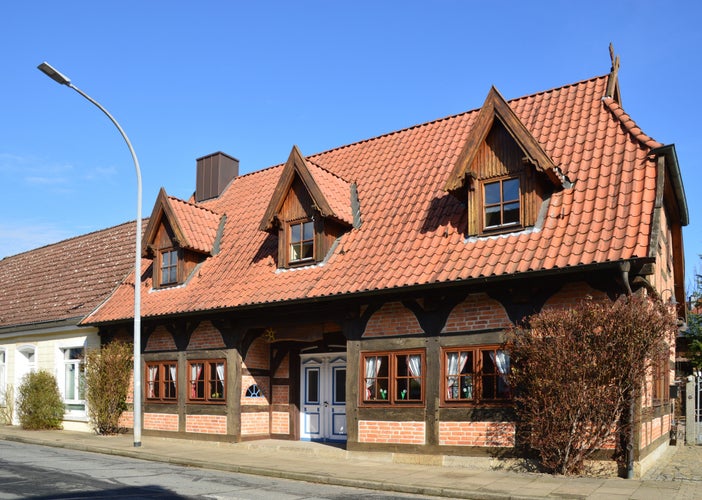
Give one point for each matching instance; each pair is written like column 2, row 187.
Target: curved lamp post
column 63, row 80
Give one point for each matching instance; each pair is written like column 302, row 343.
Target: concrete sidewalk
column 678, row 475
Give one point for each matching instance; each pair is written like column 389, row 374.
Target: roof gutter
column 671, row 160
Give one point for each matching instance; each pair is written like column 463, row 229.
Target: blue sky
column 186, row 79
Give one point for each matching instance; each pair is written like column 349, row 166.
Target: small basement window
column 253, row 391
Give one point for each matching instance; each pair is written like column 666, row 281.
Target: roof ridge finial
column 613, row 81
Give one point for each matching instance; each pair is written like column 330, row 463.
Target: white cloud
column 18, row 237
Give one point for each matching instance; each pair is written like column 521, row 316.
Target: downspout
column 624, row 268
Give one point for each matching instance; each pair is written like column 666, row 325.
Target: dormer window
column 309, row 210
column 503, row 175
column 179, row 237
column 301, row 242
column 168, row 269
column 501, row 204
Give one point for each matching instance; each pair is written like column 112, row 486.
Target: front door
column 323, row 397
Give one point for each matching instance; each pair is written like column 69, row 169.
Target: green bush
column 107, row 380
column 39, row 402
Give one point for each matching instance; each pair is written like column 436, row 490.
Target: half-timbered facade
column 362, row 294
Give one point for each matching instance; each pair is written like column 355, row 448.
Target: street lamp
column 63, row 80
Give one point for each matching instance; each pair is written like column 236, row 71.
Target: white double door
column 323, row 397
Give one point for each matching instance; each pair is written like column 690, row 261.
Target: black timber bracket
column 182, row 331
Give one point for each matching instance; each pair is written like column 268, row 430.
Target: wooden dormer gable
column 307, row 199
column 326, row 193
column 499, row 149
column 179, row 236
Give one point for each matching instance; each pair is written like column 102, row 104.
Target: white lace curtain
column 501, row 360
column 195, row 372
column 372, row 368
column 414, row 363
column 456, row 363
column 151, row 386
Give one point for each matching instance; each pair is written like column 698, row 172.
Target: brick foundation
column 374, row 431
column 255, row 423
column 477, row 434
column 206, row 424
column 161, row 422
column 280, row 422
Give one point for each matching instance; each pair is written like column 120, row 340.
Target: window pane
column 510, row 190
column 313, row 386
column 511, row 213
column 308, row 230
column 70, row 381
column 339, row 385
column 376, row 377
column 295, row 233
column 492, row 193
column 492, row 216
column 307, row 250
column 295, row 252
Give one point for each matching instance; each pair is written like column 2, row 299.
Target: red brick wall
column 160, row 340
column 281, row 394
column 392, row 319
column 258, row 355
column 126, row 420
column 573, row 293
column 280, row 422
column 161, row 421
column 650, row 431
column 477, row 312
column 373, row 431
column 477, row 434
column 206, row 424
column 206, row 336
column 255, row 423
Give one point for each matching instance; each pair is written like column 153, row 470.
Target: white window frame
column 3, row 376
column 77, row 364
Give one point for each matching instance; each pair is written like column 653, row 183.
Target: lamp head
column 55, row 75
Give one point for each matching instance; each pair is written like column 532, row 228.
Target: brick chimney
column 214, row 172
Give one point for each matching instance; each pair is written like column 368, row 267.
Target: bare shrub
column 576, row 372
column 107, row 377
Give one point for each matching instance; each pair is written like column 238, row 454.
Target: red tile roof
column 198, row 225
column 412, row 230
column 66, row 280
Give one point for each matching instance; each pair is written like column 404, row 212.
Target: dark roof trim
column 444, row 285
column 671, row 161
column 45, row 325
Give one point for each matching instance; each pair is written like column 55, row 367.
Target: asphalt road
column 39, row 472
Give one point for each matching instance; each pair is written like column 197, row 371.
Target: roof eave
column 671, row 160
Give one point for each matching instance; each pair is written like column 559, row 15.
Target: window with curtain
column 394, row 378
column 475, row 374
column 206, row 381
column 161, row 381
